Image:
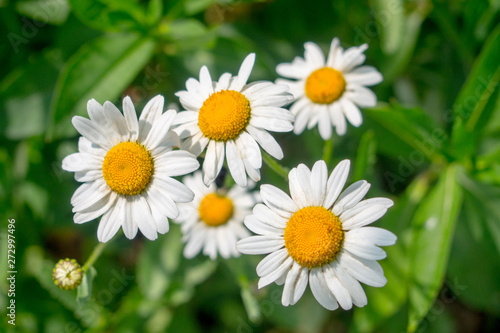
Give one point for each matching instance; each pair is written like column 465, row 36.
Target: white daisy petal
column 235, row 164
column 92, row 133
column 160, row 130
column 266, row 141
column 131, row 119
column 206, row 87
column 291, row 279
column 223, row 82
column 364, row 75
column 176, row 163
column 364, row 204
column 319, row 178
column 337, row 288
column 273, row 124
column 129, row 227
column 266, row 215
column 337, row 118
column 152, row 111
column 82, row 162
column 244, row 72
column 276, row 274
column 257, row 226
column 330, row 62
column 116, row 122
column 351, row 112
column 363, row 270
column 111, row 221
column 260, row 244
column 97, row 209
column 367, row 216
column 361, row 96
column 324, row 124
column 296, row 70
column 320, row 290
column 298, row 193
column 314, row 55
column 336, row 182
column 352, row 285
column 141, row 213
column 277, row 200
column 351, row 196
column 271, row 262
column 372, row 235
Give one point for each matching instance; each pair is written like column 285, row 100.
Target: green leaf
column 365, row 156
column 84, row 290
column 404, row 131
column 478, row 98
column 48, row 11
column 433, row 229
column 486, row 198
column 110, row 15
column 384, row 303
column 101, row 69
column 479, row 287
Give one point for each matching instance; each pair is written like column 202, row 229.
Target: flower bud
column 67, row 274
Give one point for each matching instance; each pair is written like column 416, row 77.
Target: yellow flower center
column 224, row 115
column 127, row 168
column 215, row 209
column 313, row 236
column 325, row 85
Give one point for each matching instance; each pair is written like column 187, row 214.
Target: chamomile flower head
column 327, row 91
column 126, row 166
column 231, row 118
column 67, row 274
column 213, row 222
column 319, row 236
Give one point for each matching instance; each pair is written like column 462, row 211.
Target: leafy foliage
column 432, row 144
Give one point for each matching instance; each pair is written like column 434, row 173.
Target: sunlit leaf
column 433, row 229
column 478, row 98
column 84, row 290
column 110, row 15
column 101, row 69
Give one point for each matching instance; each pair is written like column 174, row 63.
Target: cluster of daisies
column 317, row 235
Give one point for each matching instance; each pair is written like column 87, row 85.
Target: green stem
column 93, row 256
column 275, row 166
column 328, row 150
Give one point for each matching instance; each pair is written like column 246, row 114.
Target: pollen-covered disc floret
column 215, row 209
column 231, row 118
column 224, row 115
column 67, row 274
column 329, row 91
column 319, row 236
column 313, row 236
column 325, row 85
column 126, row 166
column 213, row 221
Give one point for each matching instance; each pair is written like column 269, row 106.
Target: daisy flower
column 230, row 118
column 126, row 167
column 213, row 221
column 319, row 236
column 328, row 92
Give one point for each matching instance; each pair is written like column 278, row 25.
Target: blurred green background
column 432, row 144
